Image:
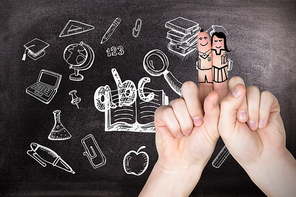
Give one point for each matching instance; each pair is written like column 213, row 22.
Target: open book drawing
column 129, row 108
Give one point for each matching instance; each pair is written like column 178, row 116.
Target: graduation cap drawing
column 35, row 49
column 216, row 28
column 75, row 27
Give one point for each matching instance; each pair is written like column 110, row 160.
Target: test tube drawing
column 58, row 132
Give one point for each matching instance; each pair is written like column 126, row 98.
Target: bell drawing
column 58, row 132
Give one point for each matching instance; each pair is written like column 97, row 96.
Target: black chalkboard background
column 261, row 37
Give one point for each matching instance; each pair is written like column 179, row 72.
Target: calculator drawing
column 46, row 86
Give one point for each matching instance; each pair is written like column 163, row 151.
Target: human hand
column 185, row 139
column 185, row 135
column 250, row 123
column 252, row 129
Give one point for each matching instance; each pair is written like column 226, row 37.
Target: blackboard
column 261, row 36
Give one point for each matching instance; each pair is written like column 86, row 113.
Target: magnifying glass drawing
column 150, row 68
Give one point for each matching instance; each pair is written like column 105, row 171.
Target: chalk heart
column 136, row 162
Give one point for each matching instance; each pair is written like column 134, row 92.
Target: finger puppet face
column 203, row 41
column 218, row 43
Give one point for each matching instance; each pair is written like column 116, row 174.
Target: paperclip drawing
column 136, row 162
column 93, row 152
column 75, row 99
column 74, row 27
column 158, row 57
column 46, row 86
column 137, row 112
column 220, row 158
column 44, row 156
column 58, row 131
column 182, row 36
column 80, row 57
column 35, row 49
column 137, row 28
column 110, row 30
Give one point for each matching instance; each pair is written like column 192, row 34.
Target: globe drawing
column 79, row 56
column 75, row 54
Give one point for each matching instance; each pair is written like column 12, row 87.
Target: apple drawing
column 136, row 163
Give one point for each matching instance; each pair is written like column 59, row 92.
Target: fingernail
column 236, row 92
column 261, row 123
column 242, row 115
column 252, row 124
column 197, row 121
column 188, row 133
column 180, row 135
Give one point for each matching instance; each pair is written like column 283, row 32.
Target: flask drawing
column 58, row 132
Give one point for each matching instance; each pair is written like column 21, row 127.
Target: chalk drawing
column 182, row 36
column 74, row 27
column 35, row 49
column 93, row 152
column 110, row 30
column 159, row 57
column 75, row 99
column 114, row 51
column 46, row 86
column 80, row 57
column 58, row 131
column 220, row 158
column 125, row 110
column 136, row 162
column 137, row 28
column 216, row 28
column 44, row 156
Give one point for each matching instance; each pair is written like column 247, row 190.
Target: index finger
column 190, row 93
column 220, row 66
column 204, row 64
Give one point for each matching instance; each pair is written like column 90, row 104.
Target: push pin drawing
column 75, row 99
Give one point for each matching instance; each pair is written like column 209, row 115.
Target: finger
column 229, row 107
column 204, row 64
column 182, row 115
column 242, row 114
column 190, row 93
column 166, row 122
column 211, row 116
column 253, row 101
column 268, row 104
column 220, row 68
column 204, row 90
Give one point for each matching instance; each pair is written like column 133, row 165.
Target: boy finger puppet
column 204, row 60
column 220, row 67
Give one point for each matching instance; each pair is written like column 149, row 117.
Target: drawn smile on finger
column 204, row 44
column 218, row 47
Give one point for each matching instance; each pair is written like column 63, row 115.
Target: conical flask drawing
column 58, row 132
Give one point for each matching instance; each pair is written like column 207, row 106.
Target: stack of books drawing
column 182, row 35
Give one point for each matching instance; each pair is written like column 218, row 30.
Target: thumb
column 229, row 107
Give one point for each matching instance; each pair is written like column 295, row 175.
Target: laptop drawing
column 46, row 86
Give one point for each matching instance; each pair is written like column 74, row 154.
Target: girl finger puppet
column 219, row 49
column 204, row 60
column 220, row 67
